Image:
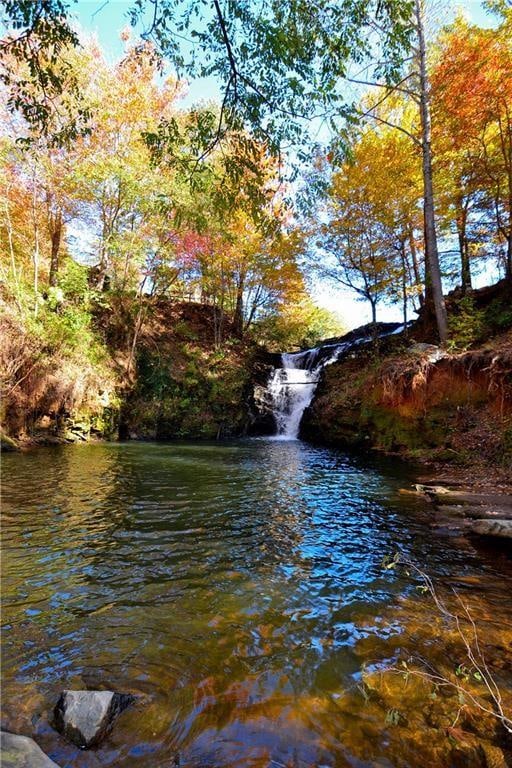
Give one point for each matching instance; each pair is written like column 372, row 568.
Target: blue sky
column 107, row 18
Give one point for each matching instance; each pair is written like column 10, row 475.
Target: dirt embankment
column 189, row 378
column 192, row 378
column 426, row 405
column 52, row 392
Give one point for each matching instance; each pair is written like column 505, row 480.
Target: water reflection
column 232, row 585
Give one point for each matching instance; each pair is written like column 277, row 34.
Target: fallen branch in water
column 478, row 670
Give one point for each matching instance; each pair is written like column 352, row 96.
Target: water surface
column 237, row 587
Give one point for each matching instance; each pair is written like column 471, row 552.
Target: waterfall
column 291, row 387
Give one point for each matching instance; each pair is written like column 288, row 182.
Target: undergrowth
column 54, row 361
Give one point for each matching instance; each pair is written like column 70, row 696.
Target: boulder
column 499, row 528
column 432, row 491
column 22, row 752
column 86, row 717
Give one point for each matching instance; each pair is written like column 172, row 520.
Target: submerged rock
column 22, row 752
column 85, row 717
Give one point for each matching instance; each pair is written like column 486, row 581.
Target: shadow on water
column 237, row 586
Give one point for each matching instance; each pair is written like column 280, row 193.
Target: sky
column 107, row 18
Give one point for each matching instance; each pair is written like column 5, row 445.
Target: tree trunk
column 403, row 255
column 434, row 288
column 238, row 317
column 509, row 255
column 374, row 317
column 35, row 251
column 461, row 218
column 56, row 236
column 415, row 264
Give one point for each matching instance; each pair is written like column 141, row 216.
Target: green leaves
column 279, row 64
column 36, row 71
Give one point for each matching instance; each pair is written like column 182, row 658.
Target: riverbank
column 181, row 383
column 451, row 412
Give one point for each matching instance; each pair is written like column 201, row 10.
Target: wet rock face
column 258, row 400
column 86, row 717
column 261, row 412
column 22, row 752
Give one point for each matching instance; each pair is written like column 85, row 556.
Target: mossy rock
column 7, row 444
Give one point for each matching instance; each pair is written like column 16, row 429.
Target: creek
column 237, row 587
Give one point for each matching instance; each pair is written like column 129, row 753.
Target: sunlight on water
column 237, row 587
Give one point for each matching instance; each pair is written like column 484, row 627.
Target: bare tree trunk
column 461, row 217
column 434, row 288
column 415, row 264
column 508, row 262
column 56, row 236
column 14, row 269
column 35, row 252
column 238, row 317
column 139, row 322
column 373, row 304
column 403, row 255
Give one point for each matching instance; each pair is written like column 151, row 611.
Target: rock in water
column 85, row 717
column 22, row 752
column 499, row 528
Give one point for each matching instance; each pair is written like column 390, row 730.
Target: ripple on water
column 237, row 586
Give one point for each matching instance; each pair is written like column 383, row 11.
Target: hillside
column 182, row 383
column 412, row 398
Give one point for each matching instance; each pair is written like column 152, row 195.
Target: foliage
column 474, row 135
column 189, row 390
column 498, row 315
column 369, row 240
column 54, row 363
column 466, row 324
column 279, row 63
column 301, row 324
column 40, row 80
column 157, row 201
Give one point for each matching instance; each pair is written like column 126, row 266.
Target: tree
column 354, row 242
column 281, row 64
column 431, row 250
column 475, row 132
column 373, row 215
column 415, row 85
column 299, row 323
column 294, row 48
column 40, row 80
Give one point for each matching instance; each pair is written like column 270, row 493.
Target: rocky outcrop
column 259, row 404
column 501, row 529
column 86, row 717
column 22, row 752
column 484, row 514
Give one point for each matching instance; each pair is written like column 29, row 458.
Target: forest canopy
column 109, row 175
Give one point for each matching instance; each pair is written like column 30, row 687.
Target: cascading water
column 292, row 387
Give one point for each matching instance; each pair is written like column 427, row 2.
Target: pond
column 238, row 588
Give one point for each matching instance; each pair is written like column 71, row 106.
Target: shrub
column 466, row 324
